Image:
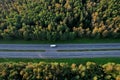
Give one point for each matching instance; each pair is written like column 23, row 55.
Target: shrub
column 59, row 71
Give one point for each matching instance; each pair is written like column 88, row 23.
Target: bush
column 59, row 71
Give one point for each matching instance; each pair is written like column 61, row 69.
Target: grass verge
column 82, row 40
column 66, row 60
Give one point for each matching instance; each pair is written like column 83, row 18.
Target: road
column 52, row 52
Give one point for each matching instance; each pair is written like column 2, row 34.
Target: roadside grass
column 82, row 40
column 65, row 60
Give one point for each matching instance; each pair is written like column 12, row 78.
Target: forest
column 54, row 20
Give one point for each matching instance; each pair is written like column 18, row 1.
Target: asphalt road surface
column 52, row 52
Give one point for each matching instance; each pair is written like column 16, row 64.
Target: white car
column 52, row 45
